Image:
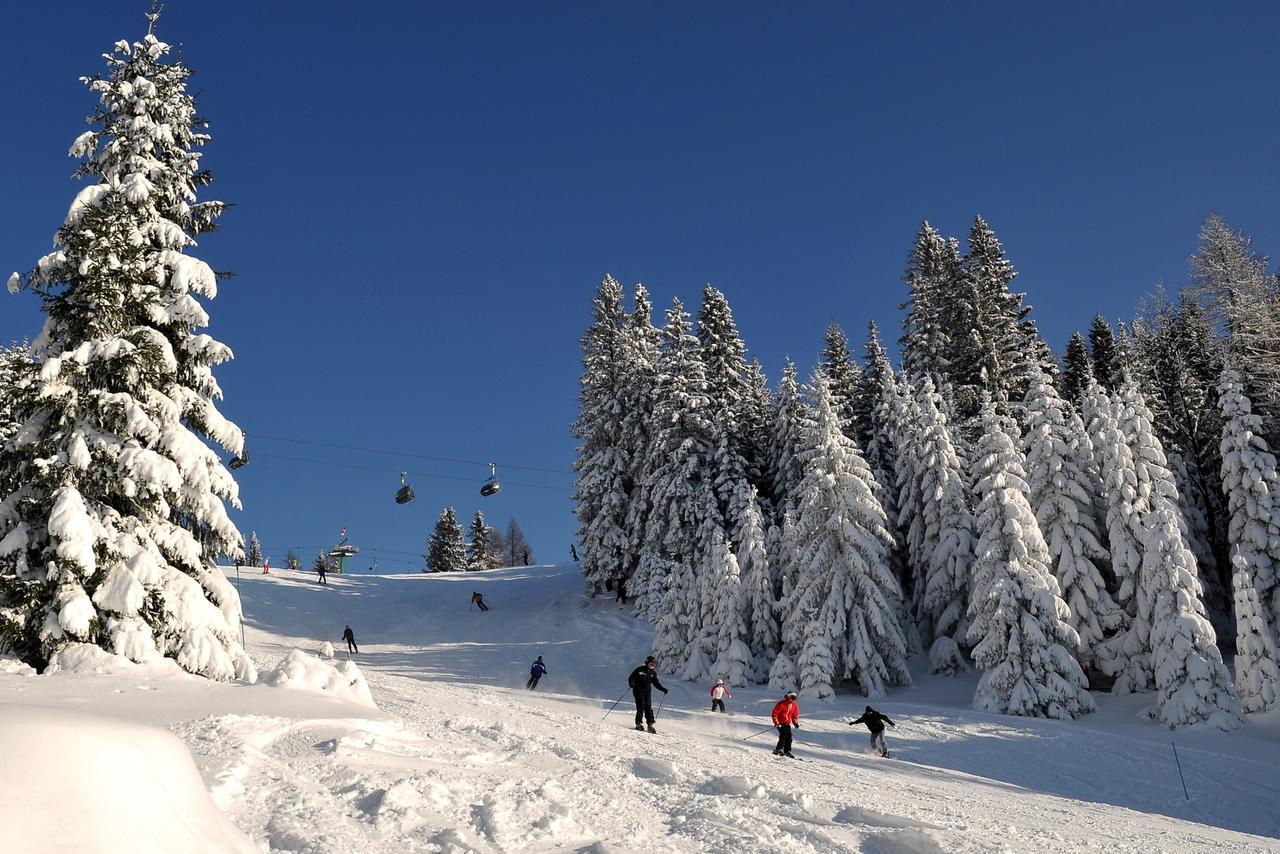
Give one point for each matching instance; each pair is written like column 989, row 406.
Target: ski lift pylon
column 404, row 494
column 491, row 486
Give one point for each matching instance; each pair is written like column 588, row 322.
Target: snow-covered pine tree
column 117, row 518
column 792, row 415
column 723, row 356
column 1252, row 486
column 734, row 661
column 678, row 470
column 844, row 377
column 1022, row 641
column 1061, row 495
column 15, row 359
column 991, row 352
column 845, row 599
column 478, row 556
column 1107, row 367
column 933, row 268
column 1192, row 684
column 757, row 426
column 602, row 493
column 292, row 561
column 1127, row 655
column 876, row 432
column 320, row 564
column 254, row 555
column 1244, row 301
column 643, row 342
column 758, row 607
column 1077, row 370
column 446, row 550
column 940, row 539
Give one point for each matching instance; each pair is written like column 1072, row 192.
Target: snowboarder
column 573, row 551
column 642, row 682
column 536, row 672
column 479, row 600
column 718, row 693
column 875, row 722
column 350, row 637
column 785, row 716
column 321, row 569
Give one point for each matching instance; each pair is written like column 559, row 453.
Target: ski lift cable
column 403, row 454
column 397, row 471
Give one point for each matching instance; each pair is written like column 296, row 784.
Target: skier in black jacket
column 875, row 722
column 642, row 680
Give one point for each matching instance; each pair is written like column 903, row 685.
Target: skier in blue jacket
column 536, row 672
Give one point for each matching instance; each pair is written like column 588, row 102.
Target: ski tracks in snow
column 473, row 768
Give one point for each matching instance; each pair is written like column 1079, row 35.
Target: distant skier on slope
column 477, row 599
column 536, row 672
column 718, row 693
column 785, row 716
column 642, row 682
column 350, row 637
column 875, row 722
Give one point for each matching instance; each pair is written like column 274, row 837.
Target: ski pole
column 615, row 705
column 754, row 734
column 660, row 702
column 1180, row 777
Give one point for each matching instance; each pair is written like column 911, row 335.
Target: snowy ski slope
column 461, row 758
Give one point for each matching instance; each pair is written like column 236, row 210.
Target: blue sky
column 427, row 196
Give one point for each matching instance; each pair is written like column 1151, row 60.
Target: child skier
column 642, row 681
column 718, row 693
column 477, row 599
column 875, row 722
column 536, row 672
column 785, row 716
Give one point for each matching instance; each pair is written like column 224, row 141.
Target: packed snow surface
column 428, row 741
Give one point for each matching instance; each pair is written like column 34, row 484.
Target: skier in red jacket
column 785, row 716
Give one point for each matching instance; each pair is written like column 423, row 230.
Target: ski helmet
column 791, row 695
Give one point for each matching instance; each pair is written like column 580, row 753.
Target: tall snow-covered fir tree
column 933, row 269
column 118, row 513
column 253, row 556
column 990, row 350
column 734, row 661
column 1019, row 630
column 758, row 604
column 602, row 497
column 1105, row 354
column 479, row 536
column 643, row 343
column 844, row 377
column 1077, row 370
column 446, row 549
column 934, row 501
column 792, row 415
column 1056, row 449
column 757, row 428
column 1252, row 485
column 844, row 606
column 1245, row 303
column 1126, row 499
column 682, row 496
column 723, row 357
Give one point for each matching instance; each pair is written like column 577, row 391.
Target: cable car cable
column 403, row 454
column 261, row 454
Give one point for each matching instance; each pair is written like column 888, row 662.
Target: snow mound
column 654, row 769
column 97, row 784
column 325, row 651
column 304, row 672
column 734, row 786
column 87, row 658
column 861, row 815
column 13, row 666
